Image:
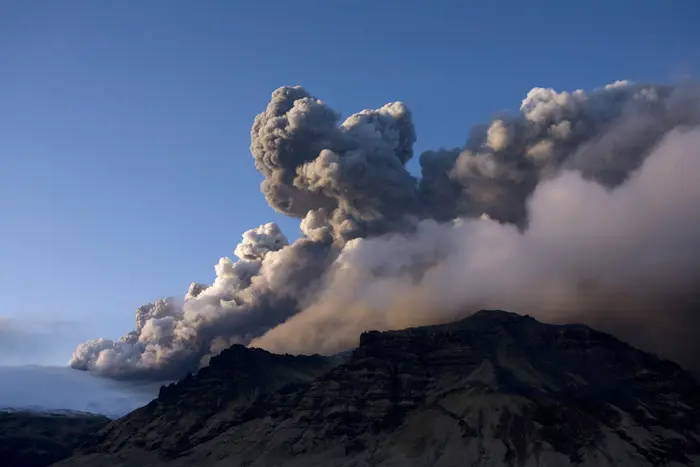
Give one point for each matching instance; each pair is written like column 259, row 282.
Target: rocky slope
column 36, row 439
column 199, row 407
column 495, row 389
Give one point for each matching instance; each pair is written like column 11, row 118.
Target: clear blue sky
column 125, row 170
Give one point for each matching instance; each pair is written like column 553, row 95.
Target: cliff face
column 494, row 389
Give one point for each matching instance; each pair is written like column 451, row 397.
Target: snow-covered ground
column 50, row 388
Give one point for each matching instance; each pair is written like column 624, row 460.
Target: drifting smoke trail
column 581, row 207
column 623, row 259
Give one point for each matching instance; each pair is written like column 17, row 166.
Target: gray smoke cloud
column 623, row 260
column 581, row 207
column 346, row 180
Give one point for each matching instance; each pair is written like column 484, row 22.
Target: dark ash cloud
column 582, row 206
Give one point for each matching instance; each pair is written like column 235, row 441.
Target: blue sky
column 124, row 126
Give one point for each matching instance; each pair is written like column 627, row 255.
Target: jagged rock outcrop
column 495, row 389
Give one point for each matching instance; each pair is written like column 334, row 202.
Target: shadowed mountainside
column 493, row 389
column 199, row 407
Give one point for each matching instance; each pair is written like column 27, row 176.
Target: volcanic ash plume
column 582, row 207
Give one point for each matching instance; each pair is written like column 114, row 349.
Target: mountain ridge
column 496, row 388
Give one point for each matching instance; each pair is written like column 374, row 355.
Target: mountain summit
column 494, row 389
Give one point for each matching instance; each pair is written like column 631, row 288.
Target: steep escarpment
column 493, row 389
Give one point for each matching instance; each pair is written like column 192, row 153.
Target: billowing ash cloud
column 345, row 180
column 582, row 207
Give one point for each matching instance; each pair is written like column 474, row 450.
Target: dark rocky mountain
column 39, row 439
column 495, row 389
column 200, row 407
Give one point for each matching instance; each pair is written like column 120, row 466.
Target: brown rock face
column 493, row 389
